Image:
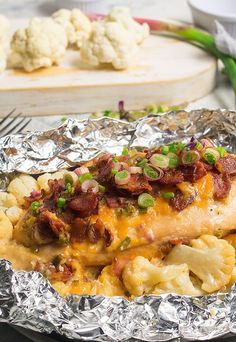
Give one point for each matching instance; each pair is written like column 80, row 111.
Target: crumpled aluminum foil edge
column 28, row 300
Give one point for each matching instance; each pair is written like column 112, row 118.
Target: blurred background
column 177, row 9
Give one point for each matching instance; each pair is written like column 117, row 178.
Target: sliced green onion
column 176, row 147
column 198, row 145
column 152, row 108
column 101, row 188
column 151, row 173
column 64, row 119
column 114, row 159
column 114, row 171
column 125, row 151
column 162, row 109
column 63, row 239
column 221, row 151
column 143, row 162
column 122, row 177
column 159, row 160
column 190, row 157
column 145, row 200
column 69, row 188
column 85, row 176
column 34, row 206
column 211, row 155
column 61, row 202
column 173, row 160
column 68, row 179
column 124, row 244
column 168, row 195
column 111, row 114
column 165, row 150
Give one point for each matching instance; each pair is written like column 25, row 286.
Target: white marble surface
column 221, row 97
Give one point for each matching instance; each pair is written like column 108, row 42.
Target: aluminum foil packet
column 28, row 300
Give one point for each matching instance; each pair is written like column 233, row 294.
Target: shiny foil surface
column 28, row 300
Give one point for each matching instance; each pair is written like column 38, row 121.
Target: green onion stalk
column 193, row 35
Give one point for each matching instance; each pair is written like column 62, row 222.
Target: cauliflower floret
column 140, row 275
column 22, row 186
column 3, row 62
column 42, row 44
column 7, row 200
column 6, row 228
column 14, row 214
column 4, row 27
column 76, row 25
column 43, row 179
column 210, row 259
column 110, row 43
column 122, row 16
column 181, row 285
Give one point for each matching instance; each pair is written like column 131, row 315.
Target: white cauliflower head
column 4, row 27
column 22, row 186
column 76, row 25
column 7, row 200
column 6, row 228
column 181, row 284
column 140, row 275
column 122, row 16
column 14, row 214
column 210, row 259
column 43, row 179
column 42, row 44
column 109, row 43
column 3, row 61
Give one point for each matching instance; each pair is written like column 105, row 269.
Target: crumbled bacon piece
column 56, row 187
column 82, row 230
column 35, row 195
column 227, row 165
column 194, row 172
column 222, row 185
column 180, row 201
column 42, row 233
column 55, row 223
column 137, row 184
column 67, row 216
column 172, row 177
column 104, row 165
column 79, row 230
column 93, row 233
column 108, row 237
column 85, row 204
column 208, row 167
column 116, row 202
column 61, row 272
column 97, row 231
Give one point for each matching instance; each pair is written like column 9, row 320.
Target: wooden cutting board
column 166, row 71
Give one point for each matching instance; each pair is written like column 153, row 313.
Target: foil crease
column 28, row 300
column 78, row 141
